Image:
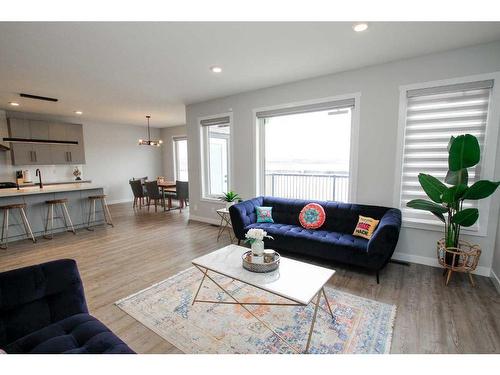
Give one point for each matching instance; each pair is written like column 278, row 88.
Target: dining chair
column 153, row 193
column 138, row 191
column 182, row 193
column 143, row 179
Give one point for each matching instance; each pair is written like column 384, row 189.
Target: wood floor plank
column 146, row 247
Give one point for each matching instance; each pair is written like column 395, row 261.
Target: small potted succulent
column 230, row 198
column 448, row 199
column 255, row 237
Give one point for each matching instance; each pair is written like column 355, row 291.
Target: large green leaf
column 481, row 189
column 432, row 186
column 452, row 194
column 464, row 152
column 450, row 143
column 466, row 217
column 457, row 177
column 422, row 204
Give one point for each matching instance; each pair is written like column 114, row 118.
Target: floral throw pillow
column 312, row 216
column 264, row 214
column 366, row 226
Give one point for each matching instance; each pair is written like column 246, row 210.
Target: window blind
column 215, row 121
column 433, row 115
column 325, row 106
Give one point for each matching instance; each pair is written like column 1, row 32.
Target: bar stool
column 61, row 203
column 107, row 215
column 5, row 227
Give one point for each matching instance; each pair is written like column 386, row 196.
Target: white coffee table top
column 294, row 280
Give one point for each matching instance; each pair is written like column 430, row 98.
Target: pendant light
column 149, row 141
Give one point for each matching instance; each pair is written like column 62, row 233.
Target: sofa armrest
column 243, row 214
column 385, row 237
column 33, row 297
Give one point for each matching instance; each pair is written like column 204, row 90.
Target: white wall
column 112, row 158
column 167, row 135
column 495, row 267
column 379, row 88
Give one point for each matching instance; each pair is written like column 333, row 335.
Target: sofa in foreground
column 333, row 242
column 43, row 311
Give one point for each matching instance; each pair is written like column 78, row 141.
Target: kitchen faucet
column 39, row 174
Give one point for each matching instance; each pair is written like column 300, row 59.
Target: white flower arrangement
column 256, row 234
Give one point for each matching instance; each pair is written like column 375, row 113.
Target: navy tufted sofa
column 43, row 310
column 333, row 242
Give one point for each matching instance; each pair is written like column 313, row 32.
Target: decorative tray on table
column 255, row 263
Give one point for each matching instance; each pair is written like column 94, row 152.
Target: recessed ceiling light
column 14, row 104
column 358, row 27
column 215, row 69
column 79, row 112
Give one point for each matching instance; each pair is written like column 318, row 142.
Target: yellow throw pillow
column 366, row 226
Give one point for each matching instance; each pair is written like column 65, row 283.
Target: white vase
column 229, row 204
column 258, row 248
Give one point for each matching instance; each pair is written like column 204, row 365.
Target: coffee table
column 298, row 282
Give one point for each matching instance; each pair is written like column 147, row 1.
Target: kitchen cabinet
column 46, row 154
column 29, row 153
column 76, row 153
column 67, row 154
column 40, row 130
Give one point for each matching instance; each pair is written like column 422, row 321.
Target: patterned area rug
column 359, row 325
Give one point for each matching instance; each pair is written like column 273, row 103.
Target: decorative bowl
column 256, row 264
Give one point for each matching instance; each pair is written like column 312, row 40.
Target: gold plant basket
column 463, row 258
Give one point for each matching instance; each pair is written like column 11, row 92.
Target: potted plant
column 448, row 198
column 230, row 198
column 255, row 237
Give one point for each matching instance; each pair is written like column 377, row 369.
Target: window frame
column 260, row 149
column 176, row 154
column 487, row 158
column 204, row 196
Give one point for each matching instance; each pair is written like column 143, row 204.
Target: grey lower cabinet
column 36, row 211
column 46, row 154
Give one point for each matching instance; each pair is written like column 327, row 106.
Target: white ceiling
column 119, row 72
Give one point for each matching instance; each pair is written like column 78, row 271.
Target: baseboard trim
column 204, row 219
column 428, row 261
column 495, row 280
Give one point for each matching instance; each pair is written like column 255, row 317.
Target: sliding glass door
column 181, row 158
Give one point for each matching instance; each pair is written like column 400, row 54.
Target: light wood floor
column 145, row 248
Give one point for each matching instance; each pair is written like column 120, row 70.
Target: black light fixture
column 149, row 141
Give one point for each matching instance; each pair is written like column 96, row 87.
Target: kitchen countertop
column 34, row 183
column 57, row 188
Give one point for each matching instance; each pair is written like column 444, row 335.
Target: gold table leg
column 249, row 311
column 243, row 306
column 327, row 302
column 313, row 321
column 199, row 288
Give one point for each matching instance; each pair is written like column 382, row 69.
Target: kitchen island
column 36, row 208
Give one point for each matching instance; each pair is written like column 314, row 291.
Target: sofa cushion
column 264, row 214
column 78, row 334
column 312, row 216
column 365, row 227
column 323, row 236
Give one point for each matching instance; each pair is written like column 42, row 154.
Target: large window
column 432, row 116
column 216, row 151
column 306, row 151
column 181, row 158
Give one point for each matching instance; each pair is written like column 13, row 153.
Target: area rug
column 359, row 325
